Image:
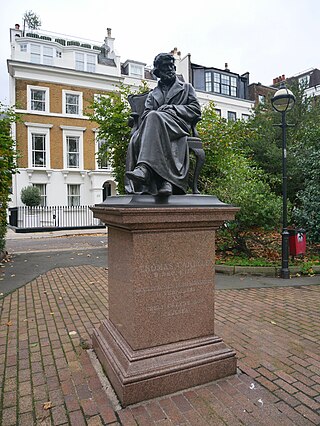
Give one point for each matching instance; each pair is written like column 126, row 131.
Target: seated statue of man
column 158, row 155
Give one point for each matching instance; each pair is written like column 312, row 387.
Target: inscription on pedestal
column 173, row 287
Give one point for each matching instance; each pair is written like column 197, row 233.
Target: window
column 23, row 47
column 222, row 83
column 35, row 53
column 304, row 81
column 135, row 70
column 73, row 195
column 38, row 98
column 85, row 62
column 261, row 99
column 73, row 152
column 73, row 147
column 79, row 61
column 102, row 161
column 91, row 63
column 208, row 82
column 245, row 117
column 43, row 192
column 38, row 150
column 218, row 112
column 47, row 55
column 41, row 54
column 232, row 116
column 233, row 86
column 72, row 103
column 225, row 84
column 38, row 145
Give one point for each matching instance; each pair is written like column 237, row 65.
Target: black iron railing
column 53, row 217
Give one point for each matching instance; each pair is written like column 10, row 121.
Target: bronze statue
column 158, row 155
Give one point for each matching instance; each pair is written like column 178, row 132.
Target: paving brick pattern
column 47, row 377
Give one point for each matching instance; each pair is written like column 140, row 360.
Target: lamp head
column 284, row 99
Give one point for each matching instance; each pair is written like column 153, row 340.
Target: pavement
column 50, row 376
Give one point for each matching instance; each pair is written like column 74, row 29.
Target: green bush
column 30, row 196
column 234, row 177
column 7, row 166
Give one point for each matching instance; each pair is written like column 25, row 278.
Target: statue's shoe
column 165, row 189
column 140, row 174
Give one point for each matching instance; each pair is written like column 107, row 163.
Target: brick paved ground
column 48, row 379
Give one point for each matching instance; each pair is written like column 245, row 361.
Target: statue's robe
column 161, row 140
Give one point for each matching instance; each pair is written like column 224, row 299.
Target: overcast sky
column 268, row 38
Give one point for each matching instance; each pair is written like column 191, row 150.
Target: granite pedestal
column 159, row 337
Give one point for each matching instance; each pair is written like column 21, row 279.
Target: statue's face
column 167, row 71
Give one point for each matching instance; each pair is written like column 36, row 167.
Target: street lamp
column 283, row 101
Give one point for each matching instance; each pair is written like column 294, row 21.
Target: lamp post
column 283, row 101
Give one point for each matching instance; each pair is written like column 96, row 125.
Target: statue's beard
column 168, row 78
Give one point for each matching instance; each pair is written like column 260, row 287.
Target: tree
column 111, row 112
column 235, row 178
column 32, row 20
column 7, row 166
column 303, row 150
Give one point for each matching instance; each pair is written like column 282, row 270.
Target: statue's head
column 164, row 67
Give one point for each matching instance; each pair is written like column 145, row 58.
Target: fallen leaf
column 9, row 323
column 47, row 405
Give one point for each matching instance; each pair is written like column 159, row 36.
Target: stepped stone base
column 149, row 373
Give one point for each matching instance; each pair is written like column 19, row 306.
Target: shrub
column 30, row 196
column 234, row 178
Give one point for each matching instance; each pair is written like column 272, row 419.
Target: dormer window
column 85, row 62
column 136, row 70
column 220, row 83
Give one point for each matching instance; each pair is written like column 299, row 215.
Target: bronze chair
column 137, row 103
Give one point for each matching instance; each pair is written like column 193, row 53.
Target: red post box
column 297, row 241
